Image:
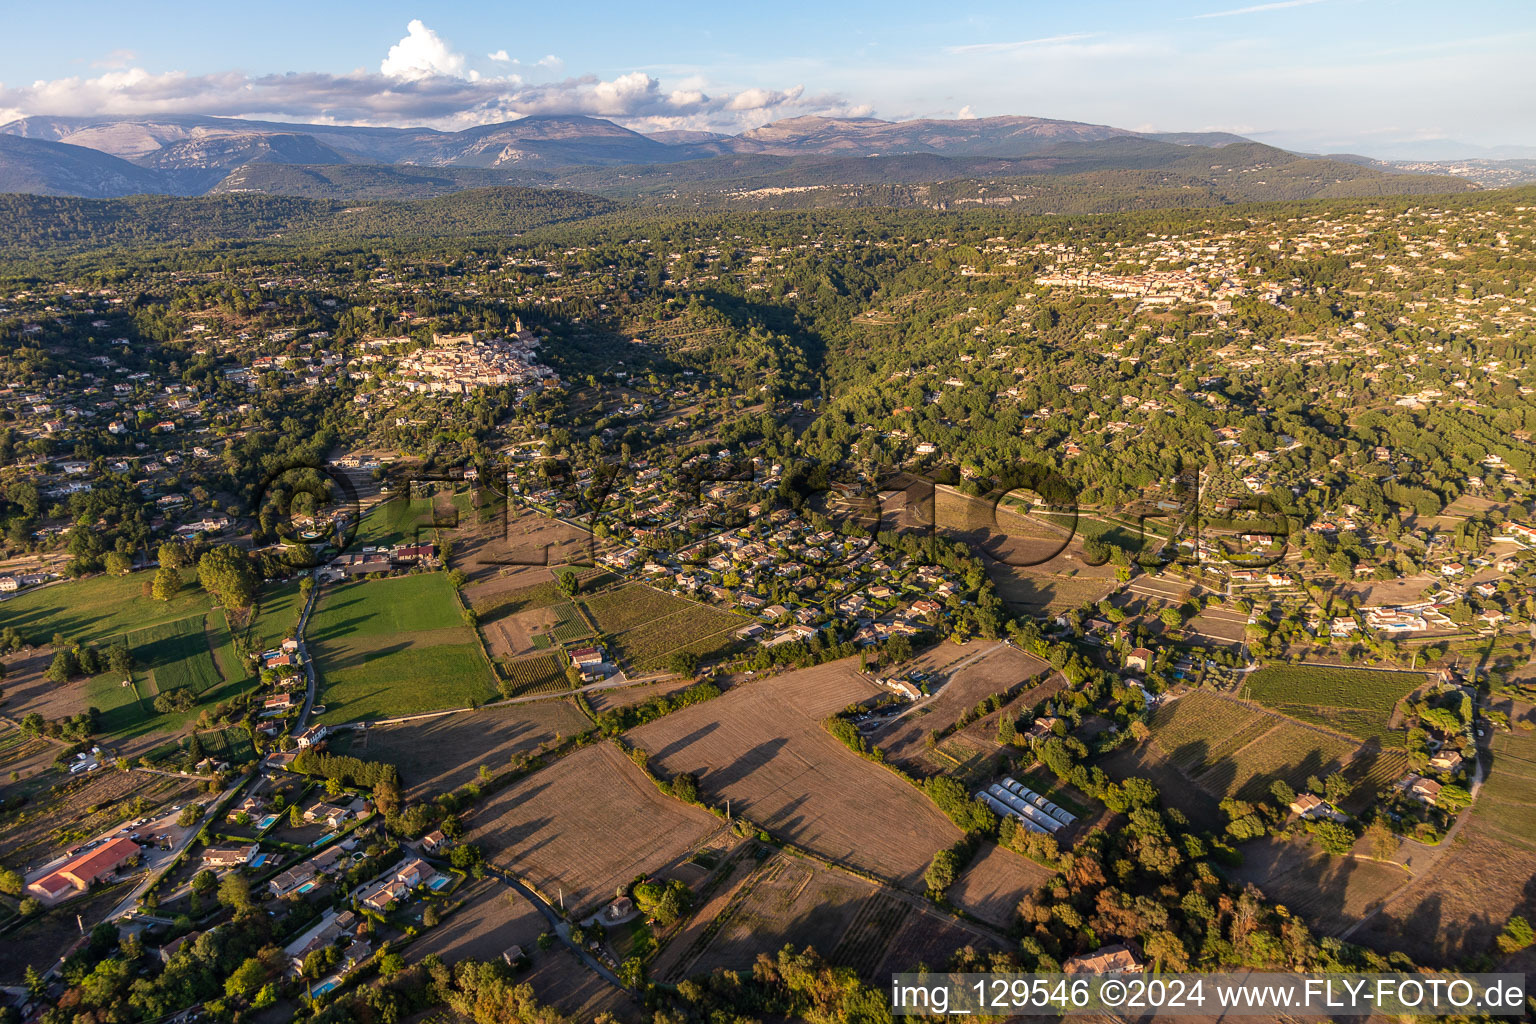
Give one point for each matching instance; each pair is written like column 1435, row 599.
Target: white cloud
column 1022, row 44
column 966, row 114
column 421, row 54
column 1279, row 5
column 422, row 81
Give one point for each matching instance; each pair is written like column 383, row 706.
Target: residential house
column 217, row 857
column 1116, row 959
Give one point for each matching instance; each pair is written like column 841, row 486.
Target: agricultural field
column 526, row 677
column 392, row 647
column 1356, row 701
column 698, row 630
column 995, row 882
column 98, row 607
column 970, row 673
column 646, row 625
column 278, row 608
column 615, row 611
column 786, row 899
column 400, row 520
column 1329, row 893
column 627, row 696
column 762, row 747
column 512, row 537
column 585, row 825
column 493, row 918
column 392, row 606
column 512, row 590
column 192, row 652
column 1029, row 591
column 440, row 754
column 1231, row 749
column 371, row 681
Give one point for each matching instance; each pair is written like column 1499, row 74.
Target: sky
column 1379, row 77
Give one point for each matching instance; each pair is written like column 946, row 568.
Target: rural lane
column 1440, row 850
column 557, row 924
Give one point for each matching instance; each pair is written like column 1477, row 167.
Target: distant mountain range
column 190, row 155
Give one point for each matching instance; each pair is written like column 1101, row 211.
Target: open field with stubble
column 989, row 668
column 587, row 824
column 436, row 755
column 762, row 747
column 995, row 882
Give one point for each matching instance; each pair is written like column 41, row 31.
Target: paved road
column 310, row 685
column 129, row 902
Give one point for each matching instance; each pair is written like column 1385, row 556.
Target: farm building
column 1116, row 959
column 85, row 869
column 1138, row 659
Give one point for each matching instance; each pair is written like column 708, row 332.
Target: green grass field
column 391, row 647
column 393, row 681
column 98, row 607
column 398, row 521
column 1356, row 701
column 385, row 607
column 277, row 615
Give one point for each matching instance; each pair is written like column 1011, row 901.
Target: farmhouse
column 1138, row 659
column 433, row 841
column 1306, row 805
column 1116, row 959
column 86, row 869
column 1447, row 761
column 313, row 735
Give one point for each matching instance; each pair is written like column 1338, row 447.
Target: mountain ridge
column 203, row 154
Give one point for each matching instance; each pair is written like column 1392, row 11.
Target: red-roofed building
column 85, row 869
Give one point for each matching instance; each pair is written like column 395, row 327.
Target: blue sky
column 1374, row 76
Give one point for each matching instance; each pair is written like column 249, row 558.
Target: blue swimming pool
column 267, row 822
column 325, row 986
column 258, row 860
column 439, row 882
column 306, row 887
column 325, row 839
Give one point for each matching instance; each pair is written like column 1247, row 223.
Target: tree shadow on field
column 684, row 742
column 749, row 762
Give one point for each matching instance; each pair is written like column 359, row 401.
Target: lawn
column 1356, row 701
column 385, row 607
column 97, row 607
